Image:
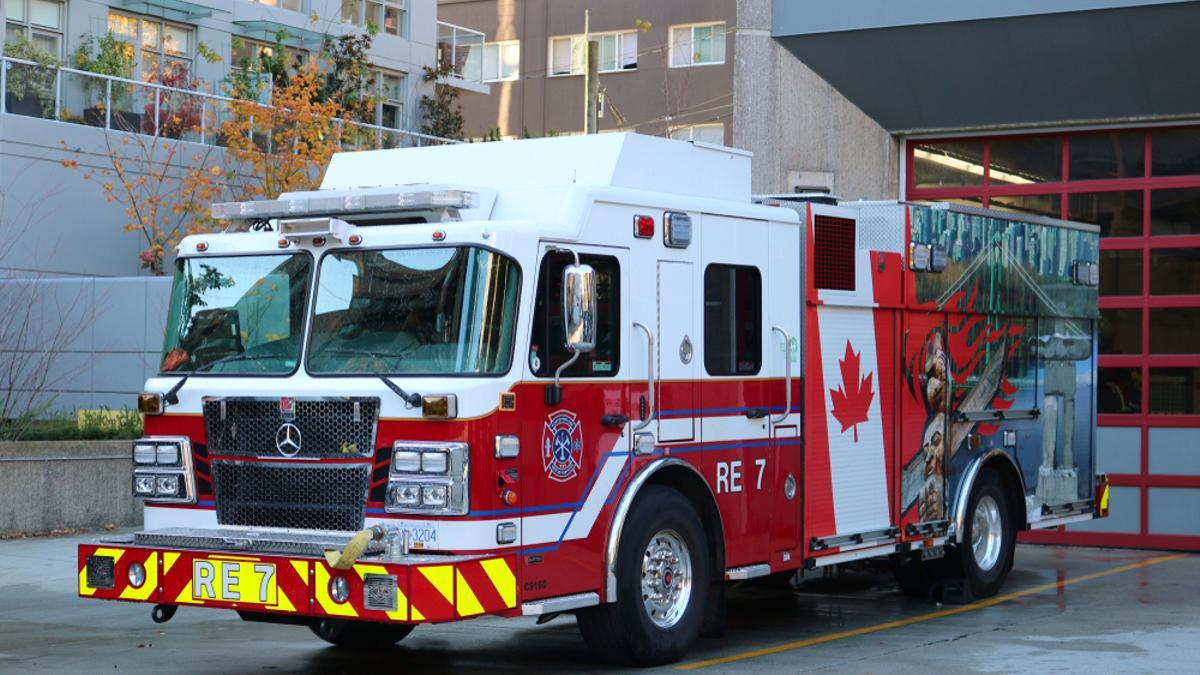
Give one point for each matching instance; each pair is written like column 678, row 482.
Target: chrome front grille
column 323, row 427
column 291, row 494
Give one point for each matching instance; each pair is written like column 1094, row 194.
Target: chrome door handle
column 787, row 369
column 649, row 374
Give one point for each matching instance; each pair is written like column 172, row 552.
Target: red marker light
column 439, row 235
column 355, row 240
column 318, row 241
column 643, row 227
column 202, row 246
column 284, row 243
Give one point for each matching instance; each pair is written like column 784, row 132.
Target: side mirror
column 579, row 307
column 579, row 321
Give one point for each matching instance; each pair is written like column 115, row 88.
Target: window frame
column 28, row 28
column 361, row 20
column 760, row 320
column 499, row 46
column 587, row 258
column 139, row 72
column 577, row 39
column 378, row 75
column 278, row 4
column 691, row 129
column 692, row 63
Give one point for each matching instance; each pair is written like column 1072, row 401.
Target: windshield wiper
column 170, row 397
column 235, row 357
column 411, row 400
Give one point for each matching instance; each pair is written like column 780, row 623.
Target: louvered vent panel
column 833, row 253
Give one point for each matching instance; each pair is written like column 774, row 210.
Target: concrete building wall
column 70, row 484
column 803, row 132
column 651, row 99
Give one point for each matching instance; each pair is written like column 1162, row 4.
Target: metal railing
column 463, row 49
column 119, row 104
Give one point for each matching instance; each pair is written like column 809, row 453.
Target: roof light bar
column 363, row 202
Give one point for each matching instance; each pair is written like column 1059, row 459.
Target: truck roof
column 620, row 160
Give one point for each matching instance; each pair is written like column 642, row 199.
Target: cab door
column 569, row 454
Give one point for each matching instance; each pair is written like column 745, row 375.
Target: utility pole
column 593, row 88
column 591, row 79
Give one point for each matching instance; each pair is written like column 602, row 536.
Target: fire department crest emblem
column 562, row 446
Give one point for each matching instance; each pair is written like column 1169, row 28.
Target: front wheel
column 663, row 575
column 989, row 537
column 361, row 634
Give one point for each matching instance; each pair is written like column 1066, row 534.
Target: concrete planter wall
column 45, row 485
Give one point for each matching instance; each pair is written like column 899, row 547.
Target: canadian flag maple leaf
column 853, row 397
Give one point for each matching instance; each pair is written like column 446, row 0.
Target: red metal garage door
column 1142, row 187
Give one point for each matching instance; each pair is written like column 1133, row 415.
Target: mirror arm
column 553, row 395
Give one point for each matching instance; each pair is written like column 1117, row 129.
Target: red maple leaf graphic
column 850, row 406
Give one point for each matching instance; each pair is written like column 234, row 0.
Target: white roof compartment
column 624, row 160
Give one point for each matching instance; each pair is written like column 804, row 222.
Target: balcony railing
column 119, row 104
column 463, row 49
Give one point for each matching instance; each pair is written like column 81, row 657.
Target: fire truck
column 594, row 375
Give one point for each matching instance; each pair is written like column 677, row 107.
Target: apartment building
column 57, row 229
column 705, row 70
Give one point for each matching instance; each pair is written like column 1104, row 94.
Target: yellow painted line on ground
column 963, row 609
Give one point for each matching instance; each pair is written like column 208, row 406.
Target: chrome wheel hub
column 987, row 533
column 666, row 578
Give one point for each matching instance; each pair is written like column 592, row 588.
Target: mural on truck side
column 1004, row 360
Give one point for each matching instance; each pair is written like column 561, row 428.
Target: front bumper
column 259, row 578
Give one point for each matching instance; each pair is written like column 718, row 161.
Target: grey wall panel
column 1175, row 451
column 1118, row 450
column 1174, row 511
column 1124, row 514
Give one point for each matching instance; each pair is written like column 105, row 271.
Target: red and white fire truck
column 594, row 375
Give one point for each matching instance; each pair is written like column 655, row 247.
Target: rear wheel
column 662, row 580
column 360, row 633
column 989, row 537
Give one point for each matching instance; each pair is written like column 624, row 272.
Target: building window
column 700, row 44
column 705, row 133
column 294, row 5
column 163, row 48
column 248, row 56
column 547, row 350
column 37, row 21
column 732, row 320
column 501, row 61
column 389, row 111
column 618, row 51
column 388, row 15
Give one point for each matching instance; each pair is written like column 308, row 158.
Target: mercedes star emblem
column 288, row 439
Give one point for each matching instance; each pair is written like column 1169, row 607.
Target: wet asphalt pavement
column 1062, row 610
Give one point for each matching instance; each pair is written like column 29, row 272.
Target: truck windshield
column 444, row 310
column 237, row 314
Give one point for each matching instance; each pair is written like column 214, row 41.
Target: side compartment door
column 925, row 392
column 676, row 358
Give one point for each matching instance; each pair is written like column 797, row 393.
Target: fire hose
column 345, row 559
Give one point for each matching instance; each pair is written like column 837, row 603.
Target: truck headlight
column 143, row 484
column 162, row 469
column 429, row 478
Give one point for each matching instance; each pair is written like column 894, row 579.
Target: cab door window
column 732, row 320
column 547, row 349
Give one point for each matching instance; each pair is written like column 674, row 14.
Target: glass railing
column 463, row 49
column 119, row 104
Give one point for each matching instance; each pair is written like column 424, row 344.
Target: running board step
column 747, row 572
column 561, row 603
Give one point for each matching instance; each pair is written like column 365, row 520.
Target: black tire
column 360, row 634
column 624, row 632
column 984, row 581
